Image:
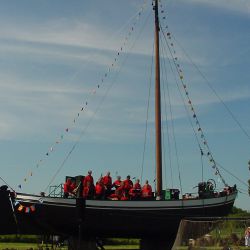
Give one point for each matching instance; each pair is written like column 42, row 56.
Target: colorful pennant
column 25, row 209
column 194, row 115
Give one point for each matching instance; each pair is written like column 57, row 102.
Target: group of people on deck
column 104, row 188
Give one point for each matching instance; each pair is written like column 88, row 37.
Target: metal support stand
column 156, row 243
column 80, row 206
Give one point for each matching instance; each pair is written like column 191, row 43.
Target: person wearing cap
column 247, row 237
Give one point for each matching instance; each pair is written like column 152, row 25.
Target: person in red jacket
column 146, row 191
column 88, row 178
column 121, row 192
column 128, row 184
column 86, row 193
column 135, row 192
column 73, row 187
column 99, row 189
column 107, row 182
column 117, row 182
column 67, row 188
column 137, row 185
column 88, row 184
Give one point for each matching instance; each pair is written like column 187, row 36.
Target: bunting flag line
column 92, row 91
column 22, row 208
column 189, row 102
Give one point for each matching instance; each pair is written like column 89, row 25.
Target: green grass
column 22, row 246
column 178, row 248
column 214, row 248
column 25, row 246
column 117, row 247
column 28, row 246
column 17, row 245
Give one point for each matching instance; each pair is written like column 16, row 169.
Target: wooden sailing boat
column 140, row 218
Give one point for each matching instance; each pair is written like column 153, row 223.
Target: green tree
column 238, row 212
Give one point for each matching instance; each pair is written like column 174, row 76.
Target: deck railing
column 56, row 191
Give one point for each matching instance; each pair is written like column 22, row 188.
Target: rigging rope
column 90, row 93
column 174, row 137
column 182, row 98
column 230, row 173
column 167, row 126
column 209, row 153
column 180, row 74
column 214, row 91
column 98, row 106
column 202, row 166
column 146, row 124
column 6, row 184
column 186, row 110
column 197, row 122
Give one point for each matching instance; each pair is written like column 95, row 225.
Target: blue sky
column 53, row 56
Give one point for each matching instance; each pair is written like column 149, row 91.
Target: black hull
column 45, row 219
column 104, row 218
column 139, row 224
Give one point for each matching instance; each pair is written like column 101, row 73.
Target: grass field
column 29, row 246
column 23, row 246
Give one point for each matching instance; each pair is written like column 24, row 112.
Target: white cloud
column 40, row 51
column 56, row 32
column 45, row 97
column 239, row 5
column 67, row 32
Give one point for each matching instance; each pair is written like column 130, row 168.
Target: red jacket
column 137, row 186
column 67, row 186
column 128, row 184
column 117, row 184
column 88, row 178
column 107, row 181
column 146, row 190
column 120, row 192
column 135, row 191
column 72, row 187
column 85, row 192
column 99, row 189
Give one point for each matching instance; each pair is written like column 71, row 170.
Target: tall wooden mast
column 158, row 106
